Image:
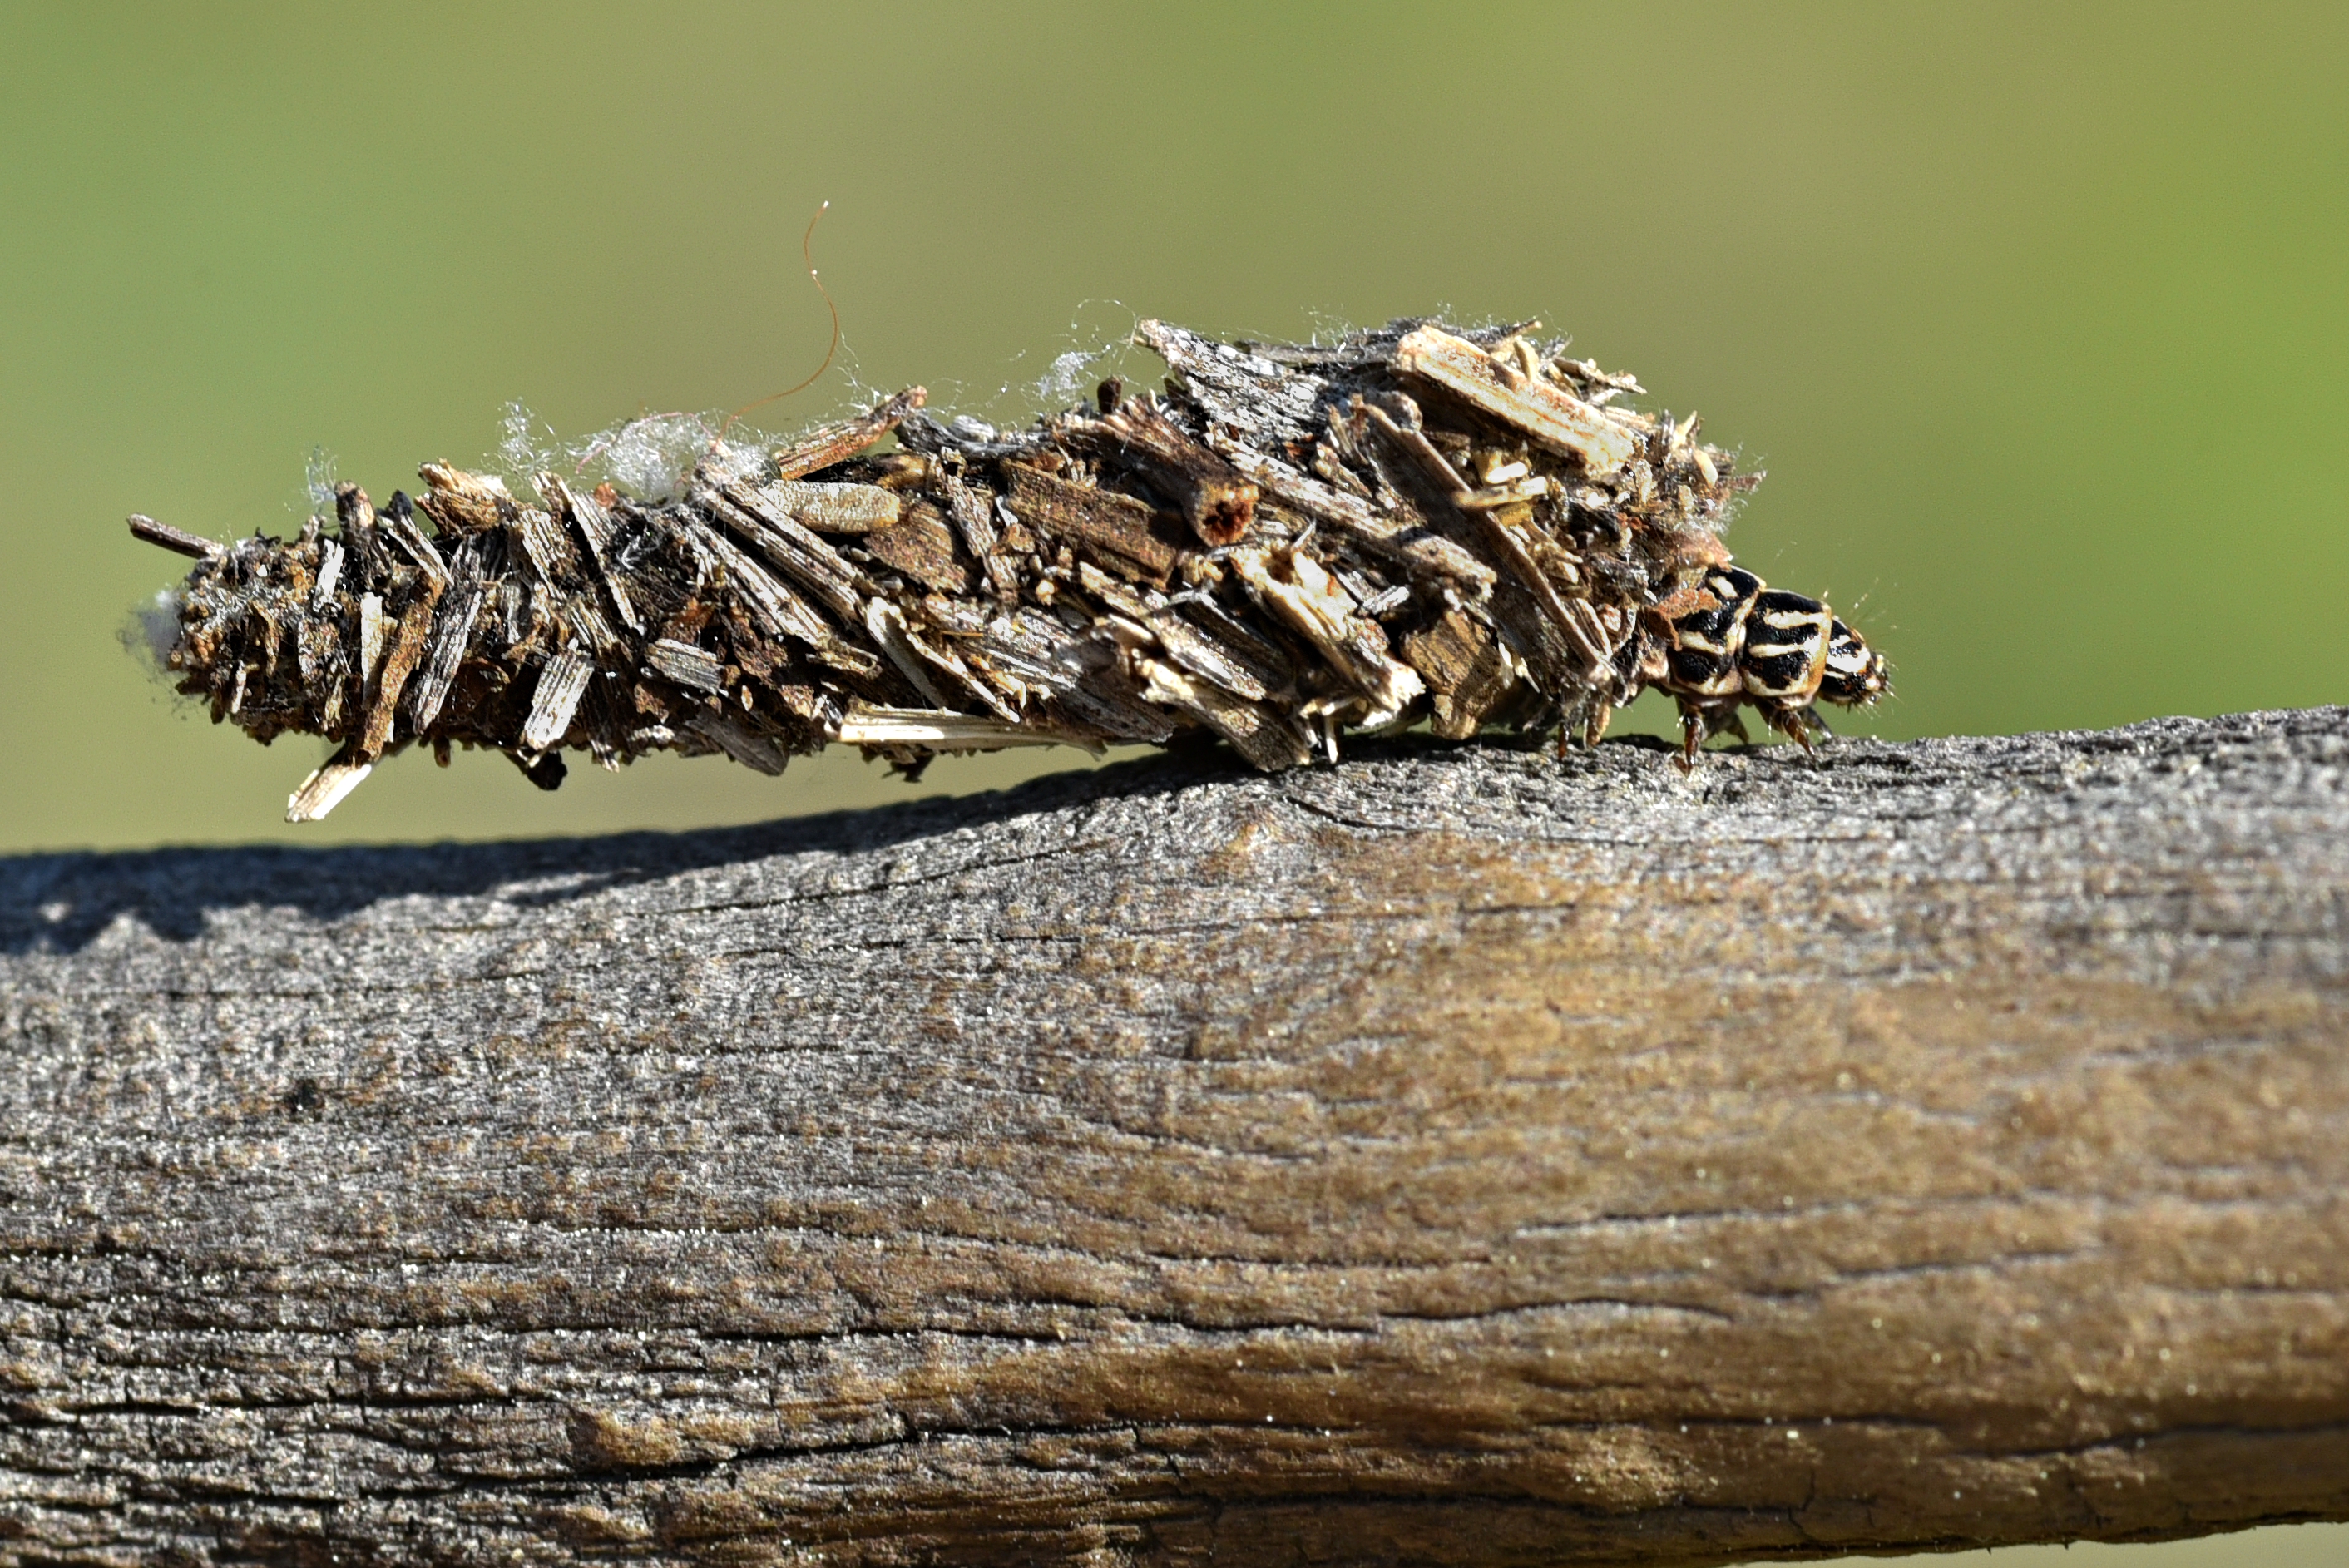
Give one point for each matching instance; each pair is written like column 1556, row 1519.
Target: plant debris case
column 1410, row 523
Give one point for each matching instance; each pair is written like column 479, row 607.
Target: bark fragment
column 1213, row 496
column 1120, row 532
column 1520, row 395
column 1468, row 670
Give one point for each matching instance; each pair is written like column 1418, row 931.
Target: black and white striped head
column 1855, row 671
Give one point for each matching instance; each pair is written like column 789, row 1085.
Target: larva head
column 1855, row 673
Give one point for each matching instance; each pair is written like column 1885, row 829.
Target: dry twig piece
column 1211, row 495
column 1523, row 398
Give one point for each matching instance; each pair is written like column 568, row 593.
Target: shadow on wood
column 1453, row 1157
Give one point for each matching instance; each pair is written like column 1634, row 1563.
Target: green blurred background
column 2038, row 316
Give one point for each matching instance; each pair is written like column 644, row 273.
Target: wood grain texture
column 1457, row 1156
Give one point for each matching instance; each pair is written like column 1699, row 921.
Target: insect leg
column 1692, row 729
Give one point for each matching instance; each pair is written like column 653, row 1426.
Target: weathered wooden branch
column 1454, row 1157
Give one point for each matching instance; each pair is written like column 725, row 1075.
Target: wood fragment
column 1469, row 672
column 921, row 546
column 1120, row 531
column 974, row 521
column 581, row 619
column 1431, row 476
column 941, row 730
column 1541, row 410
column 409, row 639
column 1297, row 590
column 806, row 559
column 454, row 618
column 1238, row 390
column 686, row 664
column 762, row 753
column 827, row 444
column 828, row 508
column 372, row 631
column 1407, row 541
column 1186, row 644
column 400, row 527
column 465, row 502
column 327, row 786
column 1268, row 736
column 887, row 624
column 545, row 546
column 1217, row 501
column 778, row 611
column 330, row 571
column 555, row 698
column 177, row 541
column 594, row 526
column 902, row 635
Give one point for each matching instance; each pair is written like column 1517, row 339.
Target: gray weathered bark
column 1452, row 1156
